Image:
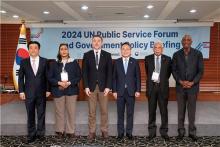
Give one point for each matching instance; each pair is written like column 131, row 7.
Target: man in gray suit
column 187, row 69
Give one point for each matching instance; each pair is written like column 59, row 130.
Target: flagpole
column 21, row 53
column 23, row 28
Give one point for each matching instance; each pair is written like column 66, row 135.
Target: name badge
column 155, row 76
column 64, row 76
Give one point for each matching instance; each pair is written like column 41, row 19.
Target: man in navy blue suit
column 126, row 86
column 33, row 88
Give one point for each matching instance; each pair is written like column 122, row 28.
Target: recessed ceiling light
column 146, row 16
column 15, row 16
column 150, row 6
column 46, row 12
column 84, row 7
column 193, row 11
column 3, row 11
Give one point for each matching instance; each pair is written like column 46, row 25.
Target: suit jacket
column 30, row 84
column 132, row 78
column 192, row 71
column 165, row 72
column 101, row 76
column 74, row 76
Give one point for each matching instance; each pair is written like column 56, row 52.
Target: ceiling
column 109, row 10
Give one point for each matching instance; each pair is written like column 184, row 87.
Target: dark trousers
column 127, row 101
column 157, row 96
column 184, row 99
column 40, row 104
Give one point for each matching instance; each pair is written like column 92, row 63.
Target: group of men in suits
column 124, row 78
column 187, row 69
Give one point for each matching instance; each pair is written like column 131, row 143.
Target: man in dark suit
column 97, row 79
column 187, row 69
column 33, row 87
column 126, row 86
column 158, row 70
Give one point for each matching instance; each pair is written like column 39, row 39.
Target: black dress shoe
column 40, row 137
column 120, row 136
column 193, row 137
column 31, row 139
column 179, row 137
column 150, row 137
column 165, row 137
column 130, row 137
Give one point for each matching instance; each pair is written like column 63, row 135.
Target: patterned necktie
column 34, row 67
column 157, row 69
column 97, row 60
column 125, row 65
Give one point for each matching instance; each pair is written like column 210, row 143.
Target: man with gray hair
column 187, row 70
column 158, row 70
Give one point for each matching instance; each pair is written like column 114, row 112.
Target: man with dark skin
column 187, row 70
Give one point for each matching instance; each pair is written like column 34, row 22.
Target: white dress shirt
column 123, row 58
column 36, row 60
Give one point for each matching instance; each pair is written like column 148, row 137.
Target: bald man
column 158, row 70
column 187, row 69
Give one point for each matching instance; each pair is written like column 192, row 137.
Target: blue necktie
column 125, row 65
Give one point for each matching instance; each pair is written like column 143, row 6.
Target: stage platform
column 13, row 118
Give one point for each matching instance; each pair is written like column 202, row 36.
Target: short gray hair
column 187, row 36
column 158, row 42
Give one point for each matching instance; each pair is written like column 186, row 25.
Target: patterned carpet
column 53, row 141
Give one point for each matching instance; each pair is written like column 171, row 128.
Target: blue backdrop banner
column 141, row 39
